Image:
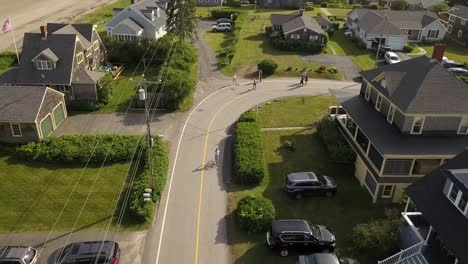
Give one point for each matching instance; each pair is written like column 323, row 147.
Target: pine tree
column 181, row 19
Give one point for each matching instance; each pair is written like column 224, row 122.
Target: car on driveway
column 222, row 27
column 391, row 57
column 324, row 258
column 286, row 235
column 245, row 2
column 384, row 49
column 18, row 255
column 458, row 71
column 451, row 63
column 102, row 252
column 224, row 20
column 300, row 184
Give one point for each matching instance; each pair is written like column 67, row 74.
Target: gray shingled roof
column 421, row 85
column 323, row 21
column 62, row 45
column 391, row 22
column 450, row 225
column 389, row 140
column 83, row 31
column 20, row 103
column 460, row 10
column 300, row 22
column 143, row 7
column 424, row 3
column 87, row 77
column 132, row 24
column 279, row 19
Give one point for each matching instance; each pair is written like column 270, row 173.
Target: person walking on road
column 301, row 83
column 306, row 79
column 260, row 75
column 234, row 79
column 217, row 152
column 254, row 84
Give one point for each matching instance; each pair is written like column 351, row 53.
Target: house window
column 391, row 114
column 433, row 34
column 462, row 204
column 378, row 103
column 96, row 45
column 460, row 33
column 463, row 22
column 305, row 29
column 16, row 130
column 44, row 65
column 418, row 123
column 452, row 19
column 351, row 126
column 313, row 37
column 367, row 94
column 397, row 166
column 387, row 191
column 456, row 196
column 89, row 52
column 295, row 36
column 64, row 88
column 79, row 58
column 453, row 193
column 449, row 29
column 463, row 128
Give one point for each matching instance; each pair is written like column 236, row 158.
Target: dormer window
column 391, row 114
column 378, row 102
column 368, row 91
column 79, row 57
column 463, row 128
column 418, row 124
column 456, row 197
column 44, row 65
column 89, row 52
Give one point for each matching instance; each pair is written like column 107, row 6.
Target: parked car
column 391, row 57
column 286, row 235
column 224, row 20
column 222, row 27
column 384, row 49
column 102, row 252
column 245, row 2
column 18, row 255
column 324, row 258
column 451, row 63
column 301, row 184
column 458, row 71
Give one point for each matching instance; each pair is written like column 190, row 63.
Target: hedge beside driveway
column 249, row 161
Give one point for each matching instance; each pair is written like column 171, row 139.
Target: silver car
column 18, row 255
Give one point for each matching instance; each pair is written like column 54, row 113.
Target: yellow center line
column 203, row 171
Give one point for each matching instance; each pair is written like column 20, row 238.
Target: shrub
column 309, row 6
column 255, row 213
column 378, row 237
column 267, row 66
column 440, row 7
column 298, row 45
column 249, row 162
column 7, row 60
column 224, row 13
column 336, row 25
column 249, row 116
column 233, row 3
column 398, row 5
column 106, row 87
column 337, row 147
column 324, row 4
column 139, row 208
column 177, row 86
column 408, row 48
column 374, row 6
column 85, row 105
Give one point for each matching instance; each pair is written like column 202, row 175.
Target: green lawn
column 352, row 204
column 7, row 61
column 122, row 94
column 290, row 111
column 101, row 15
column 454, row 51
column 33, row 195
column 364, row 59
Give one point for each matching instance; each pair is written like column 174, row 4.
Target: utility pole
column 143, row 95
column 380, row 41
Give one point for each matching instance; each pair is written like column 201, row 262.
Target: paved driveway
column 207, row 62
column 343, row 63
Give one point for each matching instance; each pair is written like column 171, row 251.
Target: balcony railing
column 404, row 254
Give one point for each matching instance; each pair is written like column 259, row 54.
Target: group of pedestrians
column 304, row 79
column 254, row 81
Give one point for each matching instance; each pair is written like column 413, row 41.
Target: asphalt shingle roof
column 20, row 103
column 132, row 24
column 83, row 31
column 87, row 77
column 323, row 21
column 446, row 220
column 421, row 85
column 460, row 10
column 143, row 7
column 300, row 22
column 279, row 19
column 424, row 3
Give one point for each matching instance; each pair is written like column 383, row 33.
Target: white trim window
column 64, row 88
column 433, row 33
column 313, row 37
column 96, row 45
column 455, row 195
column 378, row 102
column 89, row 52
column 295, row 36
column 368, row 92
column 449, row 28
column 463, row 128
column 79, row 57
column 387, row 191
column 460, row 33
column 418, row 124
column 16, row 130
column 391, row 113
column 463, row 22
column 452, row 19
column 44, row 65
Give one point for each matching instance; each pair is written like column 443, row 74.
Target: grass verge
column 453, row 51
column 102, row 15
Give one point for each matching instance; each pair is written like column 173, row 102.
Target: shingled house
column 457, row 24
column 64, row 57
column 29, row 113
column 407, row 119
column 297, row 26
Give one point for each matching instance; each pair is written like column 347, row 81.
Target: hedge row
column 249, row 162
column 138, row 207
column 337, row 147
column 297, row 45
column 224, row 13
column 79, row 149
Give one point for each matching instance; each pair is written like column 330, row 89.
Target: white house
column 394, row 28
column 142, row 19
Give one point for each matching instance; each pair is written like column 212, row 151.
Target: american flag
column 6, row 26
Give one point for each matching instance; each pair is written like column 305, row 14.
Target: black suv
column 301, row 235
column 300, row 184
column 93, row 252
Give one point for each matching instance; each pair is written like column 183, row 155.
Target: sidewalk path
column 325, row 11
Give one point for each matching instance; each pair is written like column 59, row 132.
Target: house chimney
column 44, row 32
column 438, row 53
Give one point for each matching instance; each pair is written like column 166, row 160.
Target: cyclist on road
column 217, row 152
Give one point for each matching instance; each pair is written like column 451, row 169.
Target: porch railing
column 403, row 254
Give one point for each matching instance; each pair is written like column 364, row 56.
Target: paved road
column 29, row 15
column 190, row 226
column 343, row 63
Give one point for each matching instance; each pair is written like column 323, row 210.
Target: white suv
column 226, row 27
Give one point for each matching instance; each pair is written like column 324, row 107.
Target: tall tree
column 181, row 19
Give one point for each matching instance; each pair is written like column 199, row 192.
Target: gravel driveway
column 343, row 63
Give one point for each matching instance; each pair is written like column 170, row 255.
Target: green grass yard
column 33, row 195
column 102, row 15
column 7, row 61
column 454, row 51
column 352, row 204
column 364, row 59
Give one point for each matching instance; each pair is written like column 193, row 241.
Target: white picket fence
column 404, row 254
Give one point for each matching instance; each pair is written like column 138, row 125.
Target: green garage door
column 59, row 116
column 46, row 126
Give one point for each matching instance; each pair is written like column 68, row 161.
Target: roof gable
column 20, row 103
column 46, row 54
column 460, row 10
column 301, row 22
column 140, row 11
